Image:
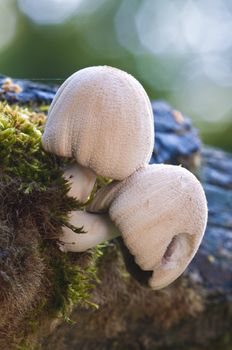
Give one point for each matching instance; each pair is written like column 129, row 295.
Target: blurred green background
column 180, row 50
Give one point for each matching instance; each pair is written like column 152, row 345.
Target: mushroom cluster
column 90, row 120
column 102, row 117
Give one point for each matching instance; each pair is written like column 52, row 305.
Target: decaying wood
column 193, row 313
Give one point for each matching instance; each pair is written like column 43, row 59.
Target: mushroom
column 102, row 117
column 98, row 228
column 81, row 181
column 161, row 213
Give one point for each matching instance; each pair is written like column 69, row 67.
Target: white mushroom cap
column 161, row 212
column 102, row 116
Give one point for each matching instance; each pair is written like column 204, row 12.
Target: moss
column 20, row 148
column 24, row 346
column 73, row 282
column 38, row 282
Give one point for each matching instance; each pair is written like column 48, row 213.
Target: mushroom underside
column 132, row 267
column 175, row 259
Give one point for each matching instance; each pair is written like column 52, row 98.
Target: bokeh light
column 181, row 50
column 8, row 22
column 49, row 11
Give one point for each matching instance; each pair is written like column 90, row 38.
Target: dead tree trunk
column 196, row 311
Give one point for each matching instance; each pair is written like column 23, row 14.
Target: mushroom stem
column 99, row 228
column 82, row 181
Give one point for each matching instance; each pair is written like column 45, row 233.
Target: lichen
column 38, row 282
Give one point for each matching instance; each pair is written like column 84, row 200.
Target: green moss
column 20, row 148
column 73, row 282
column 24, row 346
column 33, row 209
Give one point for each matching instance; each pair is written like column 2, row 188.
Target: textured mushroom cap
column 161, row 211
column 102, row 116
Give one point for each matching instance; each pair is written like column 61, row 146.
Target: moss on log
column 40, row 286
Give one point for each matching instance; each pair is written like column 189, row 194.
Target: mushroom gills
column 134, row 269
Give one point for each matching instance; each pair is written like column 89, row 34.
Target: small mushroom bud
column 98, row 228
column 82, row 181
column 161, row 212
column 103, row 118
